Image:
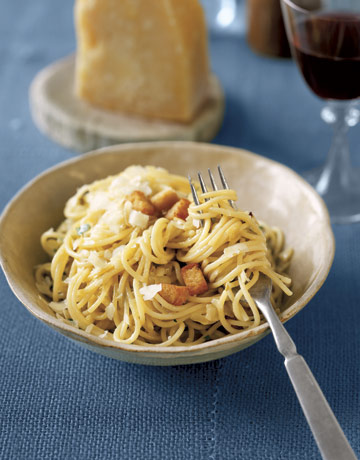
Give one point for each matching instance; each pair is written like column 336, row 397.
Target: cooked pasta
column 137, row 262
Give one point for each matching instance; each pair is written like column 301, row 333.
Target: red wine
column 327, row 49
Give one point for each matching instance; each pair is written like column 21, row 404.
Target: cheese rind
column 147, row 57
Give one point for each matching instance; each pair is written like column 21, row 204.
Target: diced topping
column 244, row 278
column 96, row 260
column 236, row 249
column 89, row 328
column 113, row 218
column 82, row 229
column 58, row 306
column 132, row 179
column 149, row 292
column 138, row 219
column 212, row 313
column 179, row 209
column 110, row 311
column 176, row 295
column 141, row 203
column 117, row 255
column 194, row 279
column 108, row 254
column 99, row 200
column 164, row 199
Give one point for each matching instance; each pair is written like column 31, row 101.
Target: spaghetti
column 136, row 261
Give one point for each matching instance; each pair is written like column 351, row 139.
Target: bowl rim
column 256, row 332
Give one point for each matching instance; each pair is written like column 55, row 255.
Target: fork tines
column 213, row 184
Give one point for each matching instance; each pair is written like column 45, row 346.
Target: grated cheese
column 99, row 201
column 96, row 260
column 132, row 180
column 108, row 254
column 110, row 311
column 149, row 292
column 58, row 306
column 211, row 313
column 244, row 278
column 117, row 255
column 235, row 249
column 138, row 219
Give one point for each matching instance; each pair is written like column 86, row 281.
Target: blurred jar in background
column 265, row 28
column 224, row 16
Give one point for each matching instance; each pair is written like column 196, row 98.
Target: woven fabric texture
column 59, row 401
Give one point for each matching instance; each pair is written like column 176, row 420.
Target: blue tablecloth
column 59, row 401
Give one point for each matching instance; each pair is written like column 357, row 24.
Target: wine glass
column 325, row 40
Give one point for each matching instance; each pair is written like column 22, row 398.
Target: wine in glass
column 325, row 41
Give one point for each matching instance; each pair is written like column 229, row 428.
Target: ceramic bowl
column 273, row 192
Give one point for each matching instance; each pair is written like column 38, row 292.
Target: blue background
column 59, row 401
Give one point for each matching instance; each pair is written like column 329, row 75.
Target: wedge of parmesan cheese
column 147, row 57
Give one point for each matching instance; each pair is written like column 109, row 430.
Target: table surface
column 58, row 400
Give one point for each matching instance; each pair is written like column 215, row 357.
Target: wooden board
column 73, row 123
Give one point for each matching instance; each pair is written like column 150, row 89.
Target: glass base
column 342, row 200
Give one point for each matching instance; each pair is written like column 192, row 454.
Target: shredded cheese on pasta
column 110, row 263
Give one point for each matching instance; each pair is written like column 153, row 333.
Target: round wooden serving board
column 73, row 123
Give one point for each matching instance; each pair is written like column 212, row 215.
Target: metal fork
column 327, row 432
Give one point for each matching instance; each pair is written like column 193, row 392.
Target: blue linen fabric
column 59, row 401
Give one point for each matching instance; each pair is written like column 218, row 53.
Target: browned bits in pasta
column 114, row 266
column 194, row 279
column 141, row 203
column 164, row 199
column 176, row 295
column 179, row 209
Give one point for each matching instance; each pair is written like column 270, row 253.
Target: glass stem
column 337, row 170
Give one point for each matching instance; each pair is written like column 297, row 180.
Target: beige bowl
column 273, row 192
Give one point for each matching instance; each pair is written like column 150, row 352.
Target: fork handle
column 327, row 432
